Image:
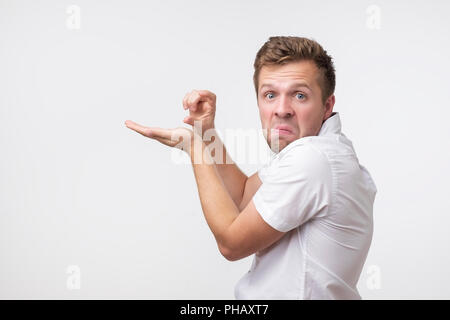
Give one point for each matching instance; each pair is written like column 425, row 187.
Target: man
column 307, row 214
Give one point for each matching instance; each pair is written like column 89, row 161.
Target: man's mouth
column 284, row 130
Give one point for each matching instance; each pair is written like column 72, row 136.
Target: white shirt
column 316, row 191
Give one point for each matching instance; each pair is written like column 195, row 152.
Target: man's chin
column 277, row 147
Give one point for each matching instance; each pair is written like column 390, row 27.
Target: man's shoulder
column 310, row 157
column 306, row 147
column 305, row 157
column 329, row 145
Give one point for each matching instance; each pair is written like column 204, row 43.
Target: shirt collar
column 331, row 126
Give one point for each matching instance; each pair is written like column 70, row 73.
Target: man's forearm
column 218, row 207
column 233, row 178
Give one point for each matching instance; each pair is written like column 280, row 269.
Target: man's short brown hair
column 282, row 50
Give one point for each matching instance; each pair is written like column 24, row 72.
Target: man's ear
column 329, row 104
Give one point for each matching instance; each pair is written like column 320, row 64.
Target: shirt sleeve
column 295, row 188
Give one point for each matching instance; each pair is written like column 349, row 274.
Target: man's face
column 290, row 101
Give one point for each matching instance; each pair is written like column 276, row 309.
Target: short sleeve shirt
column 316, row 191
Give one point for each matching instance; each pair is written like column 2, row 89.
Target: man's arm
column 240, row 187
column 202, row 107
column 251, row 186
column 238, row 233
column 233, row 178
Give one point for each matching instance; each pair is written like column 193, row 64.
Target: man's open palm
column 178, row 137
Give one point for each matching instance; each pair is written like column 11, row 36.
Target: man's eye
column 300, row 95
column 269, row 95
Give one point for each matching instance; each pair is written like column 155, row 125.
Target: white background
column 79, row 188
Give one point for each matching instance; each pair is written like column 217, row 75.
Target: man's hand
column 181, row 138
column 202, row 107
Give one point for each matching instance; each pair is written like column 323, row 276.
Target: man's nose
column 283, row 108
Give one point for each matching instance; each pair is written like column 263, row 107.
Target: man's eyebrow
column 296, row 85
